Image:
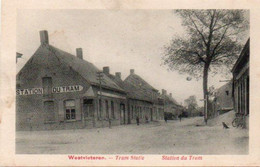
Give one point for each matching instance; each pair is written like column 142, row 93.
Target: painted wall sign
column 59, row 89
column 31, row 91
column 66, row 89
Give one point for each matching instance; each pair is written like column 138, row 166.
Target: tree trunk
column 205, row 90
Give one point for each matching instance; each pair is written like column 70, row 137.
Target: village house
column 58, row 90
column 241, row 81
column 142, row 99
column 137, row 98
column 117, row 79
column 223, row 101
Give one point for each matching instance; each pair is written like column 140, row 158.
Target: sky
column 120, row 39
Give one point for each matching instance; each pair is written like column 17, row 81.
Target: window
column 141, row 112
column 227, row 92
column 47, row 85
column 107, row 110
column 132, row 113
column 70, row 110
column 112, row 110
column 136, row 111
column 49, row 111
column 100, row 108
column 88, row 108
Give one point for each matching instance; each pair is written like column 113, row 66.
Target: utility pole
column 100, row 78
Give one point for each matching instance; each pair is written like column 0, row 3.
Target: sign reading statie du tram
column 66, row 89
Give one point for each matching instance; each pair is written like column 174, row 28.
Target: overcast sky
column 122, row 40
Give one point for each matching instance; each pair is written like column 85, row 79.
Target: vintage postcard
column 130, row 83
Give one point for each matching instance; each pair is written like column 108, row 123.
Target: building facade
column 57, row 90
column 241, row 81
column 142, row 99
column 223, row 98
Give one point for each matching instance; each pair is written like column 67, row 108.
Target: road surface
column 173, row 137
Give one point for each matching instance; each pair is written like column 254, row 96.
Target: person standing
column 137, row 120
column 165, row 118
column 109, row 122
column 180, row 117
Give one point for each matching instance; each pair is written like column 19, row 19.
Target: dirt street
column 173, row 137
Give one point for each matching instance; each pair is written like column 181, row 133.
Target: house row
column 58, row 90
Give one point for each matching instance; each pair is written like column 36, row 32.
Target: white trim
column 111, row 95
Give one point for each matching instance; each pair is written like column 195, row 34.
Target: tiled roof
column 86, row 69
column 139, row 82
column 132, row 92
column 243, row 54
column 138, row 88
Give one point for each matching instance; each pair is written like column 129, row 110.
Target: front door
column 49, row 111
column 88, row 108
column 151, row 112
column 122, row 108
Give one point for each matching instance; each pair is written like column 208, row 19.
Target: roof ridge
column 92, row 69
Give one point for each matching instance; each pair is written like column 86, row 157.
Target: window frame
column 71, row 110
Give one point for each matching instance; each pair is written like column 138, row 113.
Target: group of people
column 166, row 118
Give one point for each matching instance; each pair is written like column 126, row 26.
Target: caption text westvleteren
column 134, row 157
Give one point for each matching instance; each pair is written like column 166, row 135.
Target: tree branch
column 203, row 38
column 222, row 37
column 196, row 53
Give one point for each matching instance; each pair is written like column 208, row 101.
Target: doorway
column 122, row 113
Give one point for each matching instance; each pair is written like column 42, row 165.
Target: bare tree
column 211, row 43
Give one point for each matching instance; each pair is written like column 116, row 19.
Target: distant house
column 57, row 90
column 223, row 98
column 241, row 81
column 143, row 99
column 170, row 104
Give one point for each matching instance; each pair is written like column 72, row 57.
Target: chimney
column 106, row 70
column 118, row 75
column 164, row 92
column 171, row 94
column 44, row 37
column 132, row 71
column 79, row 53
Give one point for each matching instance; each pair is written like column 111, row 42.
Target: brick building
column 57, row 90
column 241, row 81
